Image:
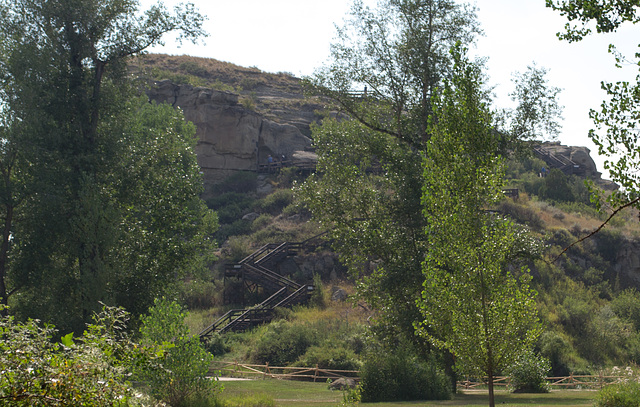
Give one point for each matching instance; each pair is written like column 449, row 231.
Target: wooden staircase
column 257, row 269
column 559, row 161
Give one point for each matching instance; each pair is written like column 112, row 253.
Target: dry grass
column 213, row 72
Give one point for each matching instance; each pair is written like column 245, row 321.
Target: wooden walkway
column 257, row 270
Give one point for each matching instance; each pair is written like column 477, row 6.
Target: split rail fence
column 235, row 369
column 567, row 382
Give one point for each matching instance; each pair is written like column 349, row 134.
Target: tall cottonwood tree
column 369, row 189
column 369, row 183
column 94, row 214
column 475, row 301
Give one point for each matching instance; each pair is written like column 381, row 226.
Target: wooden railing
column 570, row 382
column 245, row 370
column 235, row 369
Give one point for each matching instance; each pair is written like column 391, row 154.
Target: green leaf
column 67, row 340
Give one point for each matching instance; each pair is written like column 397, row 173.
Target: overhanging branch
column 628, row 204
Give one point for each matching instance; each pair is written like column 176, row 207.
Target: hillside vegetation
column 587, row 298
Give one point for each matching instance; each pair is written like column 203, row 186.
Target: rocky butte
column 267, row 115
column 231, row 137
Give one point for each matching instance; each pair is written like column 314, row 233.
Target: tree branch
column 598, row 229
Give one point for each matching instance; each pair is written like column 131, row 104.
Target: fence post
column 236, row 365
column 315, row 375
column 600, row 380
column 266, row 369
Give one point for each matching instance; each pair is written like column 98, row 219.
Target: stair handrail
column 226, row 316
column 293, row 296
column 251, row 258
column 275, row 251
column 243, row 316
column 273, row 276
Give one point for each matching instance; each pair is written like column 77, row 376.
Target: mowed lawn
column 300, row 394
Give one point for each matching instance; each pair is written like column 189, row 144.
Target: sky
column 294, row 36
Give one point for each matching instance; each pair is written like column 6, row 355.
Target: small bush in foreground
column 528, row 374
column 178, row 376
column 619, row 395
column 400, row 377
column 87, row 371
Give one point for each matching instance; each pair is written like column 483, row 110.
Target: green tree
column 179, row 375
column 112, row 211
column 370, row 166
column 475, row 302
column 368, row 186
column 618, row 115
column 12, row 194
column 608, row 15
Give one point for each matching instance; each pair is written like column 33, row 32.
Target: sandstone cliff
column 230, row 137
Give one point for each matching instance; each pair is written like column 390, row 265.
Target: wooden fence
column 235, row 369
column 567, row 382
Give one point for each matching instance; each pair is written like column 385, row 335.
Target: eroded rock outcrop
column 572, row 160
column 231, row 137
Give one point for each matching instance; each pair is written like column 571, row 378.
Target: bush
column 198, row 294
column 528, row 374
column 283, row 343
column 240, row 182
column 91, row 370
column 397, row 376
column 231, row 206
column 619, row 395
column 521, row 214
column 277, row 201
column 330, row 357
column 179, row 375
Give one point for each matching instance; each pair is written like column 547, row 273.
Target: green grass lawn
column 300, row 394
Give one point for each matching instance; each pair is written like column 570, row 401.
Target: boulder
column 343, row 383
column 338, row 294
column 251, row 216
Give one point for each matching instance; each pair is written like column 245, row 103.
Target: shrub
column 231, row 206
column 179, row 375
column 91, row 370
column 619, row 395
column 397, row 376
column 217, row 345
column 261, row 222
column 319, row 295
column 277, row 201
column 198, row 294
column 238, row 248
column 521, row 214
column 528, row 374
column 330, row 357
column 283, row 343
column 241, row 182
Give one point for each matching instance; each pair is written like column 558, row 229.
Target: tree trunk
column 492, row 401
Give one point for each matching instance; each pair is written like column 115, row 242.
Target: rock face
column 230, row 137
column 572, row 160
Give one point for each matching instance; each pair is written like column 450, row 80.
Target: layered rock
column 231, row 137
column 572, row 160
